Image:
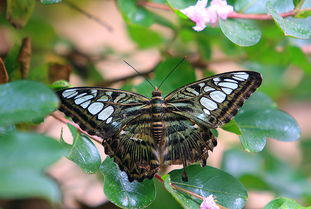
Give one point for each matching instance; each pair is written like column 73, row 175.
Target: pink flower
column 208, row 203
column 202, row 15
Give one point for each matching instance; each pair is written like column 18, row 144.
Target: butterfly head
column 156, row 93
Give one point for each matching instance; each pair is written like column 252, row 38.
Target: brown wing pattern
column 134, row 149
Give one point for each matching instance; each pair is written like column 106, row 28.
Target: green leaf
column 297, row 28
column 284, row 203
column 232, row 126
column 20, row 183
column 240, row 32
column 204, row 181
column 50, row 1
column 25, row 101
column 181, row 4
column 263, row 171
column 144, row 37
column 84, row 152
column 258, row 119
column 298, row 3
column 134, row 14
column 23, row 156
column 18, row 12
column 123, row 193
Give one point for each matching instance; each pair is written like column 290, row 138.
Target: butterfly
column 142, row 134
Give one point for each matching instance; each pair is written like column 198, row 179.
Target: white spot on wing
column 226, row 90
column 103, row 99
column 242, row 75
column 201, row 84
column 207, row 103
column 69, row 93
column 228, row 85
column 216, row 80
column 208, row 88
column 218, row 96
column 83, row 99
column 191, row 90
column 109, row 120
column 94, row 92
column 105, row 113
column 238, row 78
column 95, row 107
column 230, row 80
column 86, row 104
column 207, row 111
column 80, row 95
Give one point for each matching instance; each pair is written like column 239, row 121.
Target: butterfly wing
column 195, row 108
column 213, row 101
column 134, row 149
column 122, row 119
column 101, row 111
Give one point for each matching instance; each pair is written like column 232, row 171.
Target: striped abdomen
column 157, row 111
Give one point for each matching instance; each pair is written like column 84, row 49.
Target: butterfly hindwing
column 215, row 100
column 185, row 141
column 134, row 149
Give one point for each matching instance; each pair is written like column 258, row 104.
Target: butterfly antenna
column 168, row 75
column 139, row 73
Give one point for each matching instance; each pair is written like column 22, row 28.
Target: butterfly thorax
column 157, row 109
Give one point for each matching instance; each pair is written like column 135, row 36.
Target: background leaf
column 123, row 193
column 18, row 12
column 84, row 152
column 25, row 101
column 240, row 32
column 204, row 181
column 23, row 156
column 259, row 119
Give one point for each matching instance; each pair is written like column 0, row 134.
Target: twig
column 4, row 78
column 233, row 14
column 109, row 82
column 65, row 121
column 96, row 19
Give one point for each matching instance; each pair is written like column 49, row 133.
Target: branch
column 65, row 121
column 88, row 15
column 233, row 15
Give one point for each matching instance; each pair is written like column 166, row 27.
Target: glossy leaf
column 18, row 12
column 284, row 203
column 258, row 119
column 84, row 152
column 25, row 101
column 123, row 193
column 135, row 14
column 240, row 32
column 257, row 7
column 50, row 1
column 227, row 190
column 232, row 126
column 23, row 156
column 297, row 28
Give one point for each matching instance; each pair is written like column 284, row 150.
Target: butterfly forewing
column 215, row 100
column 101, row 111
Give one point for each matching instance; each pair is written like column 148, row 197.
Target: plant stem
column 65, row 121
column 233, row 15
